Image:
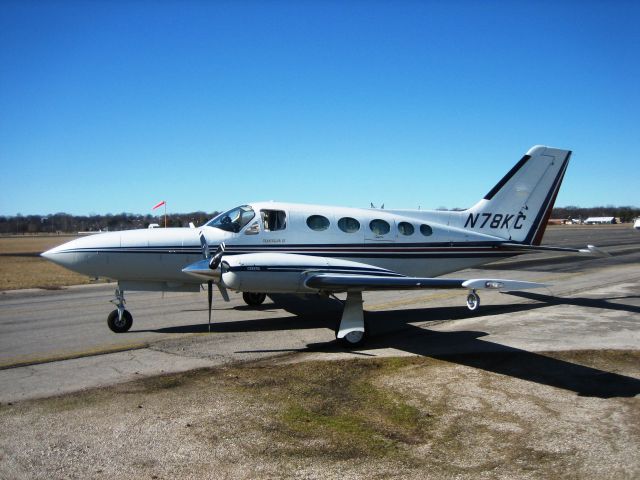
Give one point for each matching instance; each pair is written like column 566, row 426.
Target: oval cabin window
column 348, row 224
column 318, row 223
column 379, row 227
column 426, row 230
column 405, row 228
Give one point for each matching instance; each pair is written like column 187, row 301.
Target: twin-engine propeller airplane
column 268, row 247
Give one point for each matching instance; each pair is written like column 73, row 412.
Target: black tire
column 117, row 325
column 352, row 340
column 473, row 301
column 253, row 299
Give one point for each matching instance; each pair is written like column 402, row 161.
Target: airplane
column 274, row 248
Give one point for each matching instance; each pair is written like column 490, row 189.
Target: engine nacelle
column 282, row 272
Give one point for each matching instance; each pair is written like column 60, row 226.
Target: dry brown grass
column 410, row 418
column 22, row 267
column 27, row 244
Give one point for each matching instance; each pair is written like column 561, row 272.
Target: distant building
column 600, row 220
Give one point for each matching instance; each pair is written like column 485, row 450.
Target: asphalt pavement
column 53, row 342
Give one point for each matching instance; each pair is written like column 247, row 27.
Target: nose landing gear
column 119, row 320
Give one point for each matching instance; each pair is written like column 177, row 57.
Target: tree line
column 625, row 214
column 65, row 223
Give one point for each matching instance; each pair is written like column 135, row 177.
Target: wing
column 333, row 282
column 293, row 273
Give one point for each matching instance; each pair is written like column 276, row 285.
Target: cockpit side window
column 233, row 220
column 273, row 220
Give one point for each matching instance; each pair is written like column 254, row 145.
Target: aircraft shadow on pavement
column 604, row 303
column 394, row 329
column 469, row 349
column 308, row 316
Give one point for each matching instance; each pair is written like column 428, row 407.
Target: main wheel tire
column 253, row 299
column 473, row 301
column 352, row 339
column 119, row 325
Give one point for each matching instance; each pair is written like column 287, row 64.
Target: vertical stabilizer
column 519, row 205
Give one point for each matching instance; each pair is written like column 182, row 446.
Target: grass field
column 22, row 267
column 410, row 418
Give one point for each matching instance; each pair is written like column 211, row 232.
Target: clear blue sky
column 109, row 107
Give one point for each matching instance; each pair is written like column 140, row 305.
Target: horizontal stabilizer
column 591, row 250
column 594, row 251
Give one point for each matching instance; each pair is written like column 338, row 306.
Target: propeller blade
column 210, row 298
column 215, row 260
column 223, row 290
column 205, row 246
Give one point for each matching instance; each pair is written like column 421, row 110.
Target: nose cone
column 74, row 254
column 63, row 255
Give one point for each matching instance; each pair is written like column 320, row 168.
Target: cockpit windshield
column 233, row 220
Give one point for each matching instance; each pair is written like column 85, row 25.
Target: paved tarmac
column 63, row 344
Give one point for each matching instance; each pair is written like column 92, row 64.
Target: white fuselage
column 410, row 242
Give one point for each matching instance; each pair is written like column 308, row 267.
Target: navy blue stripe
column 495, row 253
column 315, row 268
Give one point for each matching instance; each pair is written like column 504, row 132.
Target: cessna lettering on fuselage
column 266, row 248
column 495, row 220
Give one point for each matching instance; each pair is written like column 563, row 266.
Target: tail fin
column 520, row 204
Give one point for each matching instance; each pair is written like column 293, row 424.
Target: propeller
column 215, row 260
column 214, row 263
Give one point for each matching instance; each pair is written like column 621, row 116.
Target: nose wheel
column 473, row 300
column 119, row 320
column 120, row 324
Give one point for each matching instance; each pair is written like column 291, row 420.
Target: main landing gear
column 253, row 299
column 119, row 320
column 473, row 301
column 352, row 331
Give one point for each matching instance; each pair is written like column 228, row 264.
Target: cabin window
column 379, row 227
column 318, row 223
column 348, row 224
column 426, row 230
column 273, row 220
column 405, row 228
